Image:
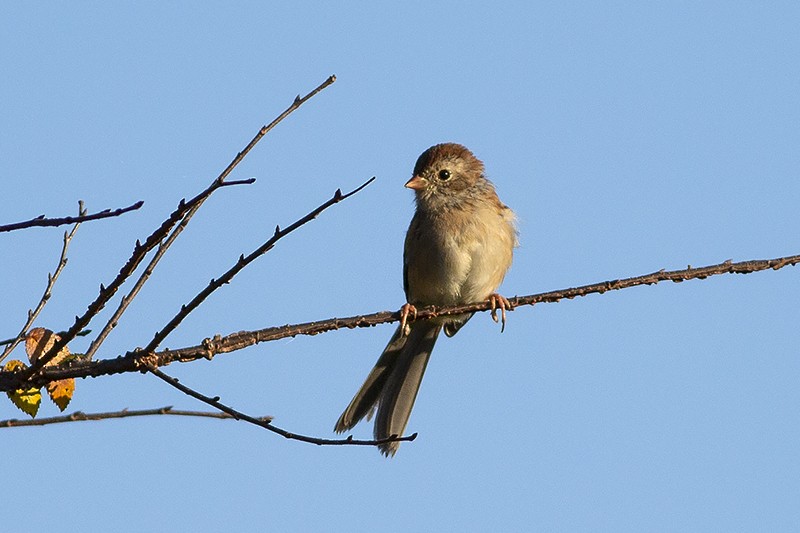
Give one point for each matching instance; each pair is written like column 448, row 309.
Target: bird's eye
column 444, row 175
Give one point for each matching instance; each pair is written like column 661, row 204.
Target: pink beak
column 417, row 183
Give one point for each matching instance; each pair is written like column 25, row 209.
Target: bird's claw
column 406, row 310
column 501, row 302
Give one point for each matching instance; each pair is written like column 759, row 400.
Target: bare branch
column 48, row 290
column 80, row 416
column 183, row 213
column 214, row 402
column 41, row 221
column 243, row 261
column 82, row 333
column 162, row 249
column 237, row 341
column 298, row 101
column 189, row 213
column 106, row 293
column 138, row 361
column 248, row 181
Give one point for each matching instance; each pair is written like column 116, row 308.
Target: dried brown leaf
column 39, row 341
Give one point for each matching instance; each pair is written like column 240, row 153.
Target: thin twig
column 185, row 209
column 48, row 290
column 59, row 333
column 243, row 261
column 136, row 361
column 298, row 101
column 162, row 249
column 106, row 293
column 218, row 182
column 214, row 402
column 41, row 221
column 80, row 416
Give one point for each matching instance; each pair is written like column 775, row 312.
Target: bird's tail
column 393, row 384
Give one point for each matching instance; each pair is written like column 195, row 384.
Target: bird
column 458, row 249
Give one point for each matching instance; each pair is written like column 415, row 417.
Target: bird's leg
column 498, row 301
column 406, row 310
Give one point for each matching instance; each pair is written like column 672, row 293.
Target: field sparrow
column 457, row 251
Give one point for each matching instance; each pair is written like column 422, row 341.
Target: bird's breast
column 458, row 258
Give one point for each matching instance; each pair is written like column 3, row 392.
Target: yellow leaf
column 27, row 400
column 61, row 392
column 39, row 341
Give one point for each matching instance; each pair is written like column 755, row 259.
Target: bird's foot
column 500, row 302
column 406, row 310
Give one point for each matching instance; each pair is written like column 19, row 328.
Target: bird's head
column 442, row 173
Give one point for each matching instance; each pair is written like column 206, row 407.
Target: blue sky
column 627, row 136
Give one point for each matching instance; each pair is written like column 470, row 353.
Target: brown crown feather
column 448, row 151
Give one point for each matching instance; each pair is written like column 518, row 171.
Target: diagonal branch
column 80, row 416
column 214, row 402
column 243, row 261
column 48, row 290
column 137, row 361
column 41, row 221
column 106, row 293
column 184, row 209
column 128, row 298
column 220, row 181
